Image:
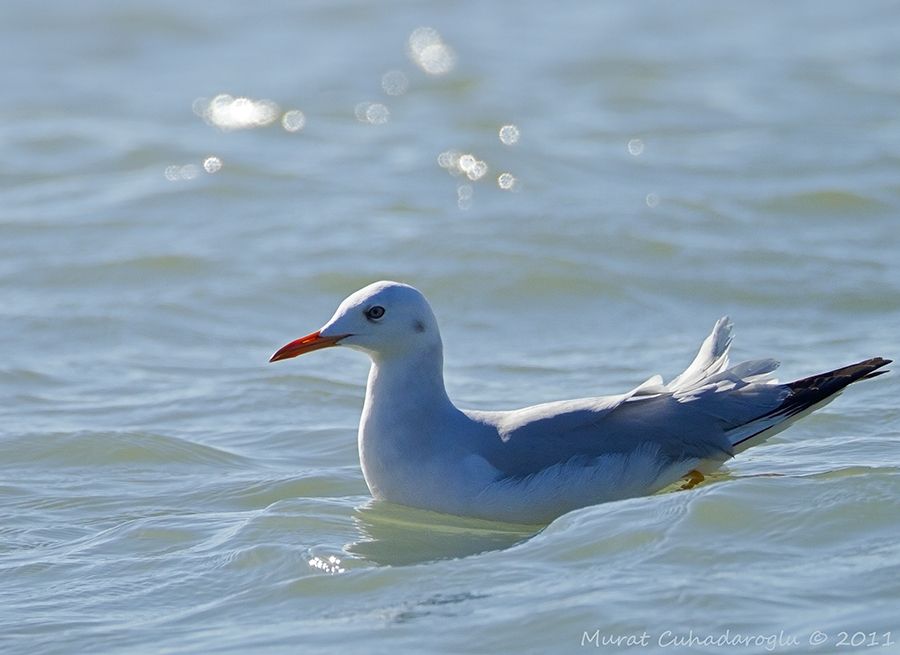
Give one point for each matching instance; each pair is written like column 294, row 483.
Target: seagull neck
column 415, row 380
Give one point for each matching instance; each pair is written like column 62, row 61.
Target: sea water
column 581, row 189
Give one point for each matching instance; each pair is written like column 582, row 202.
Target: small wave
column 160, row 265
column 90, row 449
column 824, row 201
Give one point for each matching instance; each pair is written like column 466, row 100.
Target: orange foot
column 692, row 479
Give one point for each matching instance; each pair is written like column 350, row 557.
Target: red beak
column 307, row 344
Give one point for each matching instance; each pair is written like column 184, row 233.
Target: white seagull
column 533, row 464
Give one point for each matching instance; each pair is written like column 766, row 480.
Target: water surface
column 165, row 490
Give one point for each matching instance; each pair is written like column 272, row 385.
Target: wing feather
column 688, row 419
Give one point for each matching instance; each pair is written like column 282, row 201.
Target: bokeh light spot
column 464, row 193
column 449, row 159
column 293, row 120
column 377, row 114
column 373, row 113
column 212, row 164
column 199, row 106
column 477, row 170
column 177, row 173
column 394, row 83
column 506, row 181
column 429, row 52
column 229, row 113
column 189, row 171
column 509, row 135
column 466, row 162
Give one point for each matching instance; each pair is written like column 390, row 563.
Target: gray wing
column 688, row 419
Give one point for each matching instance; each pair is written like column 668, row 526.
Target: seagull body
column 533, row 464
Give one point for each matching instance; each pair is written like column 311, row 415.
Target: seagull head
column 383, row 319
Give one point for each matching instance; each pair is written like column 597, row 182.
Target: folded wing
column 691, row 419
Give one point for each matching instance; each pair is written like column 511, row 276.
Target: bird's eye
column 374, row 313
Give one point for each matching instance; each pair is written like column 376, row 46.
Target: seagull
column 531, row 465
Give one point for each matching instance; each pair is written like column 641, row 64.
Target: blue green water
column 166, row 490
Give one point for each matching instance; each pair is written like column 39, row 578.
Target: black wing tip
column 846, row 374
column 810, row 391
column 874, row 364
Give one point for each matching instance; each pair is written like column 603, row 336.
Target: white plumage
column 533, row 464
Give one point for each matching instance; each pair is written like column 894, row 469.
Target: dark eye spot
column 374, row 313
column 419, row 326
